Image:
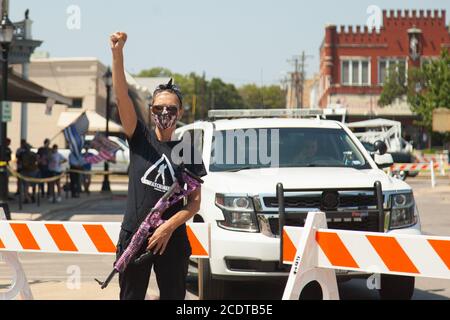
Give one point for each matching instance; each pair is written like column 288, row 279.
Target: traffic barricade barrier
column 315, row 252
column 431, row 167
column 62, row 237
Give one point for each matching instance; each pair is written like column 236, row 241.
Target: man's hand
column 117, row 41
column 158, row 241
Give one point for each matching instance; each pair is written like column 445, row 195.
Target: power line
column 297, row 80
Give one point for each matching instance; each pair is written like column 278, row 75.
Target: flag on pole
column 106, row 150
column 74, row 135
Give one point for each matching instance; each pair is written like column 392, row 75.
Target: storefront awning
column 21, row 90
column 96, row 121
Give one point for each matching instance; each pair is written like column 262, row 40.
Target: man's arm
column 158, row 241
column 127, row 113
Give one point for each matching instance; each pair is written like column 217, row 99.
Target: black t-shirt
column 44, row 157
column 152, row 171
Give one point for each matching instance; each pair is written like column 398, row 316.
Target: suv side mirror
column 383, row 161
column 380, row 146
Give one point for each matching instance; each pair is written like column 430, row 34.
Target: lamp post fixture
column 107, row 78
column 6, row 37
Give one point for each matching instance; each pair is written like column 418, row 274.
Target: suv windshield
column 234, row 150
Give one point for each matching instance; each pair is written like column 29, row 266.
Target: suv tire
column 209, row 288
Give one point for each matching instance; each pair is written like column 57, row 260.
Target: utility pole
column 6, row 38
column 297, row 80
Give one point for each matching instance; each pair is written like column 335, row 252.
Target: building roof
column 21, row 90
column 38, row 58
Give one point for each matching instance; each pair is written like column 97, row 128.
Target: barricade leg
column 5, row 214
column 433, row 177
column 19, row 284
column 441, row 165
column 305, row 266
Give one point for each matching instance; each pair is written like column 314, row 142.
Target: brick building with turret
column 354, row 61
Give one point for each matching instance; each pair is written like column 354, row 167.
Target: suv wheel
column 396, row 287
column 209, row 288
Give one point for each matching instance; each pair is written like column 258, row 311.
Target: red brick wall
column 392, row 40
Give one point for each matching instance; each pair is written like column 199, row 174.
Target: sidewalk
column 46, row 208
column 119, row 186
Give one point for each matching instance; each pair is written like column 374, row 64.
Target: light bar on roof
column 274, row 113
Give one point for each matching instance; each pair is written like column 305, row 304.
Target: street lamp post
column 6, row 37
column 107, row 78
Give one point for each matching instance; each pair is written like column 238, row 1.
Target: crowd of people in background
column 47, row 162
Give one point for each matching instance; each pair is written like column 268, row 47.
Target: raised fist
column 117, row 40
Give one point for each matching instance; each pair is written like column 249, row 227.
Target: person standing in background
column 19, row 152
column 8, row 150
column 8, row 160
column 44, row 154
column 55, row 168
column 75, row 177
column 86, row 178
column 29, row 161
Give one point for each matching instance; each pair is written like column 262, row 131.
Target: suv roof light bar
column 275, row 113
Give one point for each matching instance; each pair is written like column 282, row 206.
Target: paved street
column 52, row 276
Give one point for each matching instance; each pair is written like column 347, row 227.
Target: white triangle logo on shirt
column 159, row 182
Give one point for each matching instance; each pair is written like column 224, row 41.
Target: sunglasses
column 157, row 109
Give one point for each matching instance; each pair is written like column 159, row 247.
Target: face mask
column 164, row 120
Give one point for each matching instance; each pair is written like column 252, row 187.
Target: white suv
column 323, row 159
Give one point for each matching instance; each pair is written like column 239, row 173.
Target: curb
column 45, row 214
column 50, row 212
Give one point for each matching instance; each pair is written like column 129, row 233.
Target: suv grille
column 314, row 201
column 364, row 223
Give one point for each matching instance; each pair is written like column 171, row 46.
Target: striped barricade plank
column 414, row 255
column 413, row 166
column 81, row 237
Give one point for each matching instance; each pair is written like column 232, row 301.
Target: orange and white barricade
column 437, row 157
column 431, row 166
column 415, row 166
column 59, row 237
column 440, row 158
column 315, row 252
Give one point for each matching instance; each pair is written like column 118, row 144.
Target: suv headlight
column 238, row 211
column 403, row 211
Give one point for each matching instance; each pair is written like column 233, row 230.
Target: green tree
column 394, row 86
column 224, row 95
column 155, row 72
column 262, row 97
column 252, row 95
column 427, row 88
column 216, row 94
column 274, row 97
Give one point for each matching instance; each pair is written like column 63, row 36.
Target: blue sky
column 240, row 41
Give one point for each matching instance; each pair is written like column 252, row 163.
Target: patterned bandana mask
column 165, row 119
